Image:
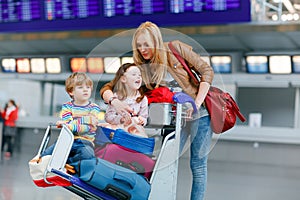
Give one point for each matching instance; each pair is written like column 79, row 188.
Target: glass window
column 111, row 64
column 8, row 65
column 296, row 64
column 221, row 64
column 95, row 65
column 37, row 65
column 78, row 64
column 23, row 65
column 127, row 60
column 280, row 64
column 53, row 65
column 257, row 64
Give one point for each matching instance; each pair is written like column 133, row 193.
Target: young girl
column 128, row 80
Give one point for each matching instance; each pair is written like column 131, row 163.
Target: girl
column 128, row 81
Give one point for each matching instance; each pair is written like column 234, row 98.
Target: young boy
column 81, row 117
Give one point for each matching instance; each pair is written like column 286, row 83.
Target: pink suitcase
column 128, row 158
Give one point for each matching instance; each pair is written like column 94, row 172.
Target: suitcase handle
column 118, row 176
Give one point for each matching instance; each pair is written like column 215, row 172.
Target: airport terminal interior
column 252, row 45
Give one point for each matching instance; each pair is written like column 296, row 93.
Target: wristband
column 111, row 99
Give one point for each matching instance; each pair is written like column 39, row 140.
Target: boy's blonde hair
column 75, row 79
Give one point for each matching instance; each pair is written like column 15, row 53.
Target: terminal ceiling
column 248, row 37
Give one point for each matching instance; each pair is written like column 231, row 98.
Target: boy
column 81, row 117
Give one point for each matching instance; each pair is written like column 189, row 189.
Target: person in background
column 127, row 83
column 161, row 68
column 81, row 116
column 10, row 116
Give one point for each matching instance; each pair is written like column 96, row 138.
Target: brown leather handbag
column 220, row 105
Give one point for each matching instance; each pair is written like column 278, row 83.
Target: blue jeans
column 80, row 150
column 201, row 136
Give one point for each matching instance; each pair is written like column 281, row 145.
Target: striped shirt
column 78, row 119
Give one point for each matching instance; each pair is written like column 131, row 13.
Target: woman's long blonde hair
column 154, row 70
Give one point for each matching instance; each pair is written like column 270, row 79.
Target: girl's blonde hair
column 75, row 79
column 154, row 70
column 119, row 86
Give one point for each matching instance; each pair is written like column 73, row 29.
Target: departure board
column 16, row 11
column 55, row 15
column 181, row 6
column 66, row 9
column 129, row 7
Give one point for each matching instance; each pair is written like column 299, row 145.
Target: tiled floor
column 226, row 181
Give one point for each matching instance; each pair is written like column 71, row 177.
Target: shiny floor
column 226, row 181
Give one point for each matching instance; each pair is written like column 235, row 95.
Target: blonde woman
column 161, row 67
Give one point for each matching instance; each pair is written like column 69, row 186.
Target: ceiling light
column 274, row 17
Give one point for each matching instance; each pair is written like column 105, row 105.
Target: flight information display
column 15, row 11
column 128, row 7
column 55, row 15
column 70, row 9
column 181, row 6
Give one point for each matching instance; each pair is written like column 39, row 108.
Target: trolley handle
column 181, row 97
column 45, row 140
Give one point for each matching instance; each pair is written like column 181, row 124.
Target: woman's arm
column 106, row 92
column 202, row 92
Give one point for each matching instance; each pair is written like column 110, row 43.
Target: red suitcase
column 136, row 161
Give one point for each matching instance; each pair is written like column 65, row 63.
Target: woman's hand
column 202, row 92
column 190, row 110
column 122, row 109
column 189, row 113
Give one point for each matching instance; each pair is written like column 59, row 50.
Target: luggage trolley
column 164, row 177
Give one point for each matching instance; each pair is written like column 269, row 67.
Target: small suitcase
column 125, row 139
column 117, row 154
column 117, row 181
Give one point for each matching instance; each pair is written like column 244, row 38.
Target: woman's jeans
column 201, row 135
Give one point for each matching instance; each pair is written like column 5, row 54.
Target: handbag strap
column 182, row 61
column 237, row 110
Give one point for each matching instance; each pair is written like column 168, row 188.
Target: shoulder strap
column 236, row 108
column 182, row 61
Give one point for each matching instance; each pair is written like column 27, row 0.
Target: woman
column 161, row 67
column 10, row 116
